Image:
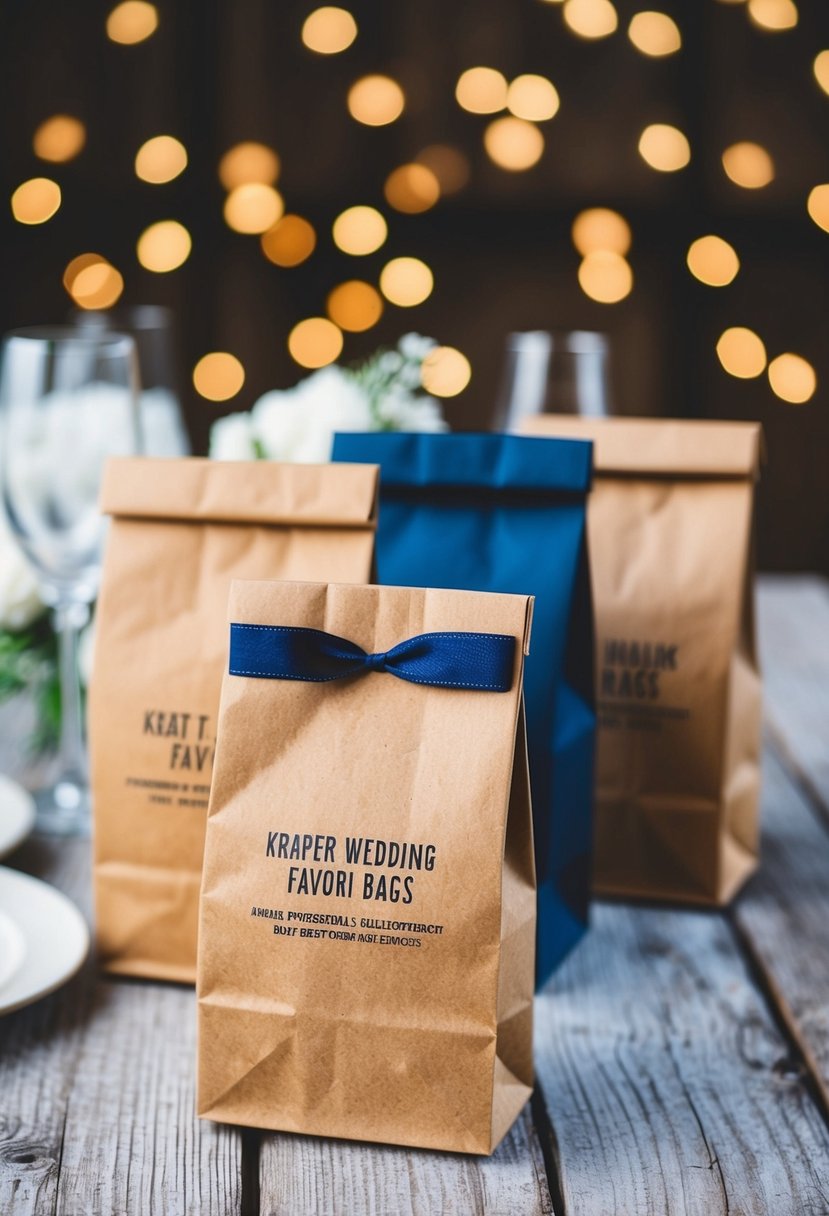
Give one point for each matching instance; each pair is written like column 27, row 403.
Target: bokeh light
column 315, row 342
column 591, row 18
column 655, row 34
column 482, row 90
column 131, row 22
column 513, row 144
column 818, row 205
column 355, row 306
column 748, row 165
column 411, row 189
column 406, row 282
column 376, row 100
column 164, row 246
column 218, row 376
column 329, row 30
column 59, row 139
column 713, row 261
column 742, row 353
column 160, row 159
column 773, row 14
column 36, row 200
column 253, row 208
column 533, row 97
column 449, row 165
column 664, row 148
column 792, row 378
column 445, row 372
column 92, row 282
column 600, row 228
column 605, row 277
column 359, row 230
column 291, row 241
column 248, row 162
column 821, row 70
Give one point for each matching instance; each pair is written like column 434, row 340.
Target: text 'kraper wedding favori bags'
column 181, row 530
column 678, row 683
column 368, row 899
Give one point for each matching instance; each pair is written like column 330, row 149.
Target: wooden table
column 683, row 1057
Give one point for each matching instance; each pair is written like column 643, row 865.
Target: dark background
column 220, row 71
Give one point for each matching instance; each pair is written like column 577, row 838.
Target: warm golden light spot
column 315, row 342
column 92, row 282
column 773, row 14
column 605, row 277
column 79, row 263
column 59, row 139
column 291, row 240
column 513, row 144
column 445, row 372
column 359, row 230
column 35, row 201
column 591, row 18
column 329, row 30
column 218, row 376
column 406, row 282
column 533, row 97
column 748, row 165
column 664, row 148
column 160, row 159
column 713, row 261
column 449, row 165
column 355, row 306
column 742, row 353
column 412, row 188
column 792, row 378
column 253, row 208
column 481, row 90
column 599, row 228
column 375, row 100
column 818, row 206
column 132, row 22
column 654, row 34
column 164, row 246
column 248, row 162
column 821, row 70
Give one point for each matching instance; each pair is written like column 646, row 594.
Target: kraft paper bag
column 368, row 900
column 506, row 514
column 180, row 531
column 678, row 685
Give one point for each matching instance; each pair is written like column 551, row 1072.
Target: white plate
column 17, row 816
column 43, row 939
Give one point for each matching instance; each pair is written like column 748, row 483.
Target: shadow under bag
column 508, row 514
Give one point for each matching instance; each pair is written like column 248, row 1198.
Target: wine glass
column 67, row 402
column 554, row 373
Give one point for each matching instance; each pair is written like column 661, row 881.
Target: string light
column 792, row 378
column 248, row 162
column 164, row 246
column 291, row 241
column 445, row 372
column 411, row 189
column 742, row 353
column 315, row 342
column 713, row 261
column 821, row 70
column 481, row 90
column 605, row 277
column 406, row 282
column 36, row 200
column 533, row 97
column 131, row 22
column 773, row 14
column 818, row 206
column 355, row 306
column 92, row 282
column 160, row 159
column 375, row 101
column 513, row 144
column 59, row 138
column 449, row 165
column 591, row 18
column 329, row 30
column 599, row 228
column 218, row 376
column 253, row 208
column 664, row 148
column 654, row 34
column 748, row 165
column 359, row 230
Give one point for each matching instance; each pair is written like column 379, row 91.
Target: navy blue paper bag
column 504, row 513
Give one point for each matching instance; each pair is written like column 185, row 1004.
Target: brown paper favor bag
column 181, row 529
column 367, row 917
column 678, row 686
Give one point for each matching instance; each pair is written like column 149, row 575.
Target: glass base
column 63, row 809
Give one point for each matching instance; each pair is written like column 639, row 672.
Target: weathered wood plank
column 302, row 1176
column 667, row 1081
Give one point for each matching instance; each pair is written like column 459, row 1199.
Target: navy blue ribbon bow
column 475, row 661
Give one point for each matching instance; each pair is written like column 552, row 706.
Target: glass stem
column 69, row 619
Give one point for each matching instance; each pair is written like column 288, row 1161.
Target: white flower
column 299, row 424
column 20, row 602
column 415, row 347
column 231, row 438
column 399, row 410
